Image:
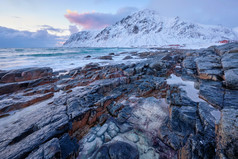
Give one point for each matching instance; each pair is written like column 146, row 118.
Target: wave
column 19, row 50
column 51, row 54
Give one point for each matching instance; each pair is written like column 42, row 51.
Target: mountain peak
column 147, row 11
column 148, row 28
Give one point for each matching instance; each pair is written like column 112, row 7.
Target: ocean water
column 60, row 58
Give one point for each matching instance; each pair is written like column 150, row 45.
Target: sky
column 48, row 23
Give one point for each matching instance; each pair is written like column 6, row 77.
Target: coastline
column 97, row 108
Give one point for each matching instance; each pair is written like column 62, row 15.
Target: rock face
column 177, row 104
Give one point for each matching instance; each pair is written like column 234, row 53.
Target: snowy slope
column 147, row 28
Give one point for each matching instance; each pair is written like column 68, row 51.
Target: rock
column 114, row 109
column 88, row 56
column 227, row 134
column 189, row 63
column 231, row 78
column 14, row 87
column 26, row 74
column 127, row 58
column 102, row 130
column 233, row 50
column 212, row 92
column 11, row 104
column 91, row 138
column 222, row 49
column 230, row 61
column 209, row 67
column 178, row 97
column 117, row 150
column 132, row 137
column 111, row 54
column 49, row 150
column 109, row 57
column 230, row 99
column 69, row 147
column 37, row 125
column 183, row 119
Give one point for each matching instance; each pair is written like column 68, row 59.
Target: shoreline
column 93, row 109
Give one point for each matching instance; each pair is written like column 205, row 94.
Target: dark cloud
column 95, row 20
column 216, row 12
column 20, row 39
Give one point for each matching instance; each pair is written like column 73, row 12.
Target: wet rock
column 227, row 134
column 111, row 54
column 117, row 150
column 50, row 150
column 25, row 74
column 88, row 56
column 109, row 57
column 127, row 58
column 69, row 147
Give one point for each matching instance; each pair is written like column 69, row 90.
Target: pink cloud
column 95, row 20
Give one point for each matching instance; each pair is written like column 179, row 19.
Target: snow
column 147, row 28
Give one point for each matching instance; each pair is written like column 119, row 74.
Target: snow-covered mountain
column 148, row 28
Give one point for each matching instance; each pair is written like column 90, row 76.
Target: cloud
column 21, row 39
column 73, row 29
column 96, row 20
column 216, row 12
column 50, row 28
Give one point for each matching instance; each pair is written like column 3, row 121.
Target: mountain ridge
column 147, row 28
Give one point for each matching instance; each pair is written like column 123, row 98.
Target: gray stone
column 213, row 93
column 117, row 150
column 102, row 130
column 230, row 61
column 49, row 150
column 37, row 125
column 231, row 78
column 227, row 134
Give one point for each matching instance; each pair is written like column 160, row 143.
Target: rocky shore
column 174, row 104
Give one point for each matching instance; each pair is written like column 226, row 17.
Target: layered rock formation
column 173, row 104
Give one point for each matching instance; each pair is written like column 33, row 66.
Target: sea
column 61, row 58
